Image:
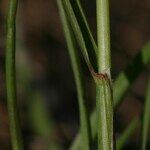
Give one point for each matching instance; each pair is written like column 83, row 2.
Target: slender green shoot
column 84, row 120
column 146, row 118
column 85, row 29
column 15, row 129
column 81, row 29
column 85, row 24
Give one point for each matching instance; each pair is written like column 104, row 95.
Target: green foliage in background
column 98, row 125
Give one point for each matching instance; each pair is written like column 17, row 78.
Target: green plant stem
column 15, row 129
column 120, row 87
column 146, row 118
column 81, row 31
column 103, row 35
column 104, row 114
column 84, row 120
column 85, row 25
column 86, row 32
column 104, row 104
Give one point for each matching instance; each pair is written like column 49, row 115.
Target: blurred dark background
column 45, row 85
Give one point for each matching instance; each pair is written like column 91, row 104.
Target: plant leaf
column 85, row 29
column 82, row 32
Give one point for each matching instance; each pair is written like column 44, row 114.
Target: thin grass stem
column 84, row 120
column 82, row 33
column 15, row 128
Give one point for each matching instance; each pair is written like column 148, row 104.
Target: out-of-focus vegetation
column 45, row 85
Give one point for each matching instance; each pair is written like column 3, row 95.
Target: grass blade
column 15, row 128
column 84, row 120
column 85, row 29
column 81, row 17
column 81, row 31
column 146, row 118
column 120, row 86
column 122, row 140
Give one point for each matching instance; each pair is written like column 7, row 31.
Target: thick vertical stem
column 104, row 108
column 16, row 138
column 104, row 104
column 103, row 35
